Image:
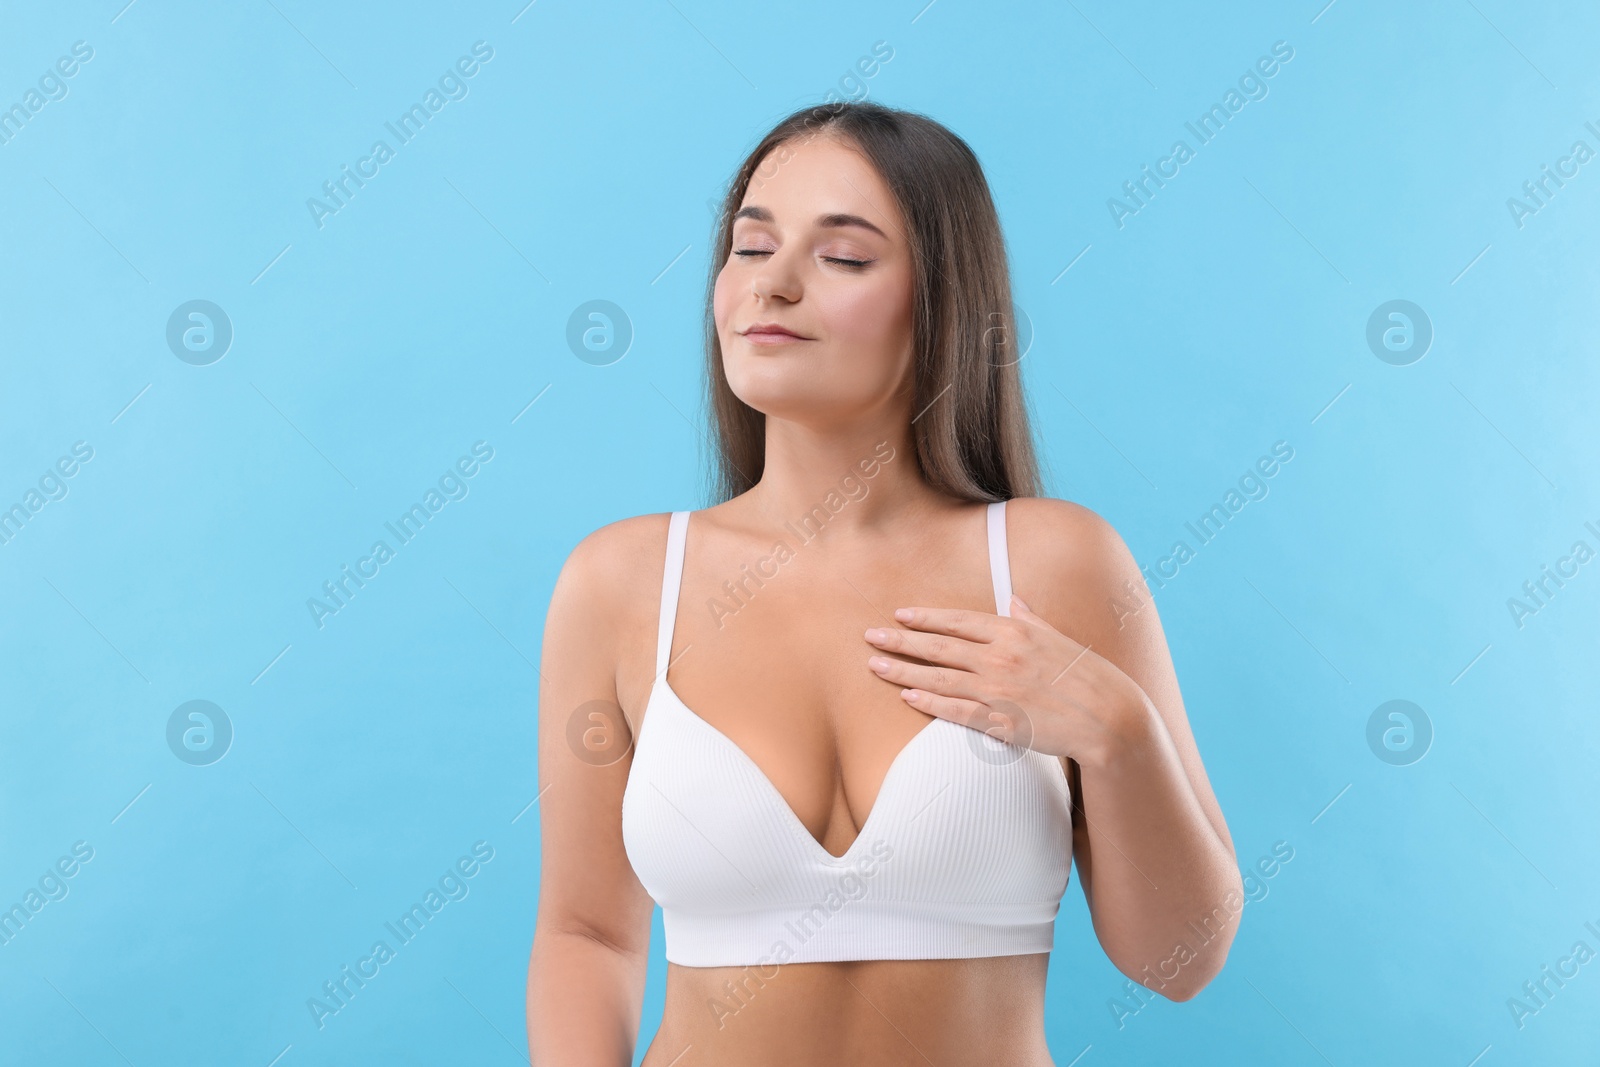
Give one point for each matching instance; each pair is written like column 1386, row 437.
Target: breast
column 966, row 852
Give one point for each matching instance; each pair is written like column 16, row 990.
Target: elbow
column 1189, row 968
column 1208, row 954
column 1199, row 948
column 1199, row 971
column 1188, row 988
column 1183, row 993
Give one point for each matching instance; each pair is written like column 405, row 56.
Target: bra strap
column 999, row 558
column 671, row 580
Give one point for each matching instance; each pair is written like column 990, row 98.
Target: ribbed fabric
column 966, row 852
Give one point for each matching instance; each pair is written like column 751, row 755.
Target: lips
column 770, row 333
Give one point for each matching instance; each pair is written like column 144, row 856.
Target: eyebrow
column 833, row 221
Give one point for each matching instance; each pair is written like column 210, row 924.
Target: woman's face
column 819, row 249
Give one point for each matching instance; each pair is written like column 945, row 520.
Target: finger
column 968, row 713
column 1008, row 722
column 939, row 680
column 957, row 622
column 1021, row 611
column 935, row 648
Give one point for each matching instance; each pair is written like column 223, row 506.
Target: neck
column 844, row 479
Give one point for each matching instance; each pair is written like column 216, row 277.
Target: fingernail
column 1023, row 604
column 903, row 614
column 878, row 663
column 874, row 634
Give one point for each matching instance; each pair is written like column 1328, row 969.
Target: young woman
column 812, row 722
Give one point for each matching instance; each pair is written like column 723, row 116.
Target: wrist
column 1131, row 733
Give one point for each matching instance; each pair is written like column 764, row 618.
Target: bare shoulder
column 1073, row 567
column 603, row 611
column 1066, row 539
column 619, row 559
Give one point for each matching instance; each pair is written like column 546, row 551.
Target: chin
column 785, row 392
column 768, row 394
column 781, row 369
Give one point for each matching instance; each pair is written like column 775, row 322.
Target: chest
column 771, row 655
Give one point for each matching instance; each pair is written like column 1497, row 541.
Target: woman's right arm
column 592, row 936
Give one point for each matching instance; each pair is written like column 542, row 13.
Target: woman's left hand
column 1017, row 679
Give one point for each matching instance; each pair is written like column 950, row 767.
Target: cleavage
column 819, row 726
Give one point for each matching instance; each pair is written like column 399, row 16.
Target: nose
column 777, row 279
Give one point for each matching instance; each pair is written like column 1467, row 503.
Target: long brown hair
column 970, row 421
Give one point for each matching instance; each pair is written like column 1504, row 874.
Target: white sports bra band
column 671, row 581
column 999, row 558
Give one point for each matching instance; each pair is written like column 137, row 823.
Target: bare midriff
column 865, row 1013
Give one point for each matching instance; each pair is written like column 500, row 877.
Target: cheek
column 858, row 317
column 871, row 316
column 721, row 300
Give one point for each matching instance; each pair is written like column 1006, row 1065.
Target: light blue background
column 369, row 354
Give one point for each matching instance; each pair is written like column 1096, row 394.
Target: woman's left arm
column 1164, row 889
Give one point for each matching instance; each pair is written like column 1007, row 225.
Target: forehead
column 820, row 176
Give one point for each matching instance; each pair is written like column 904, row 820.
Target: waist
column 975, row 1010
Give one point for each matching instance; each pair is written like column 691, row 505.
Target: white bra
column 966, row 852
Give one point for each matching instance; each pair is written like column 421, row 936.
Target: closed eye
column 855, row 263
